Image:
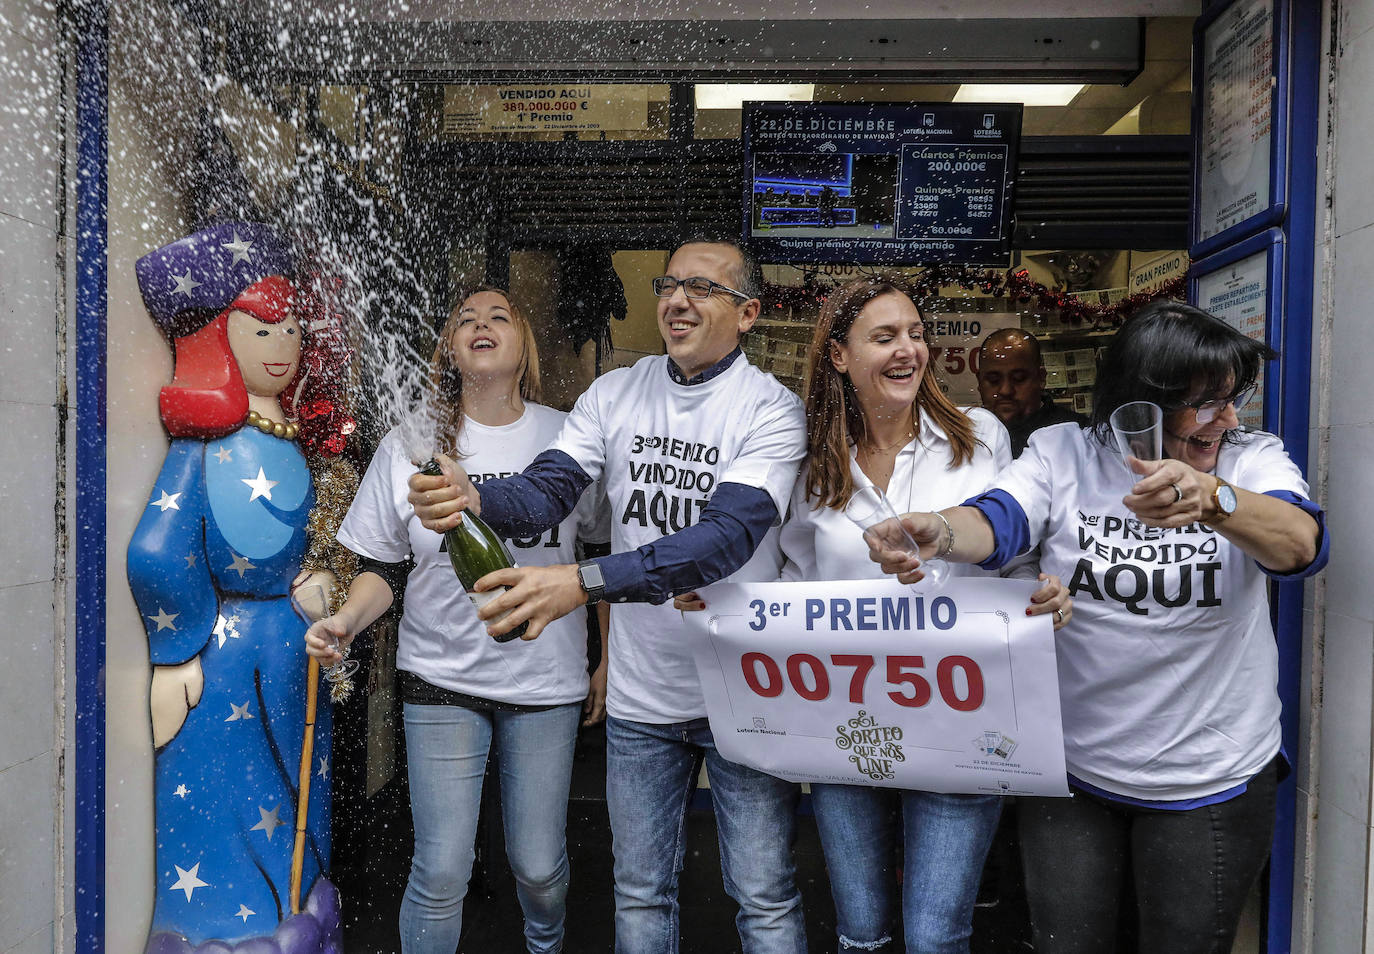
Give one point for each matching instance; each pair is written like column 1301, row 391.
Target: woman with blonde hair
column 463, row 692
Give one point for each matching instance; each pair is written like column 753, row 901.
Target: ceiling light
column 1030, row 94
column 733, row 95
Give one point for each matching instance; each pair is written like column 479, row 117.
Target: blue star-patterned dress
column 210, row 567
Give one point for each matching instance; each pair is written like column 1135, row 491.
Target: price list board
column 953, row 192
column 880, row 183
column 1241, row 123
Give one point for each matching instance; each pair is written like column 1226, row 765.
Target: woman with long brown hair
column 876, row 416
column 463, row 692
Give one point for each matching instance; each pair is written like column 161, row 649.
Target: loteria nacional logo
column 874, row 749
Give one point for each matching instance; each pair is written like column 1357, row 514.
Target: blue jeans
column 939, row 843
column 651, row 772
column 446, row 752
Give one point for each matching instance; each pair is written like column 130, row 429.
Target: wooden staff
column 312, row 686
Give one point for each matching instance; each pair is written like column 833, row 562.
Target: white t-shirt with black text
column 660, row 449
column 1168, row 669
column 441, row 639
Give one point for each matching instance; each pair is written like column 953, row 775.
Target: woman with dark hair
column 876, row 416
column 1168, row 670
column 465, row 694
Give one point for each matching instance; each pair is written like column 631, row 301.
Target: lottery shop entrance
column 576, row 226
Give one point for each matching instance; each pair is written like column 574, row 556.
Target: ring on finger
column 1178, row 493
column 1059, row 615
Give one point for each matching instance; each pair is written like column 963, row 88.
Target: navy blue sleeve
column 730, row 529
column 1010, row 527
column 1323, row 543
column 537, row 498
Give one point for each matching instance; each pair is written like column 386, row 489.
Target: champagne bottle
column 475, row 550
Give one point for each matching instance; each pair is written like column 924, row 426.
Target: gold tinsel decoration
column 336, row 482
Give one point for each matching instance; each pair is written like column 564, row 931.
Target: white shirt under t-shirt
column 660, row 449
column 821, row 543
column 441, row 639
column 1168, row 670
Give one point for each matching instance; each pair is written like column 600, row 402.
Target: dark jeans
column 1192, row 870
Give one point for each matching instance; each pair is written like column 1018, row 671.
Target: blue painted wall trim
column 1287, row 402
column 92, row 98
column 1295, row 343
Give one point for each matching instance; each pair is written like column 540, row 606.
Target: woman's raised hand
column 1169, row 493
column 926, row 529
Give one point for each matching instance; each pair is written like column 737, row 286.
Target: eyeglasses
column 1208, row 410
column 694, row 287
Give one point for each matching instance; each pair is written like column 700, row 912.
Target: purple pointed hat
column 187, row 283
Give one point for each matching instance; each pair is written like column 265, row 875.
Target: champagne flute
column 310, row 604
column 883, row 529
column 1139, row 430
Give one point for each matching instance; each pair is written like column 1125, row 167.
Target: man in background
column 1011, row 384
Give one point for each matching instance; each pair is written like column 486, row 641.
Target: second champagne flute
column 870, row 511
column 310, row 605
column 1139, row 430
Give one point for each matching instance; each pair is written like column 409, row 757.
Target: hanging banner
column 545, row 107
column 871, row 682
column 880, row 182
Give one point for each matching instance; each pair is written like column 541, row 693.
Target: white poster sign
column 954, row 339
column 1238, row 294
column 545, row 107
column 1237, row 108
column 949, row 689
column 1157, row 272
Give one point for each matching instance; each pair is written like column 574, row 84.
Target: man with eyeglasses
column 698, row 451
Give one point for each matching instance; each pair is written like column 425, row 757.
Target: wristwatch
column 1224, row 499
column 589, row 575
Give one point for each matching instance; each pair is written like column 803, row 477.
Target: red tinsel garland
column 320, row 409
column 1015, row 285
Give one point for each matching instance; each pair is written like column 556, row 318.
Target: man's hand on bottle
column 539, row 594
column 439, row 502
